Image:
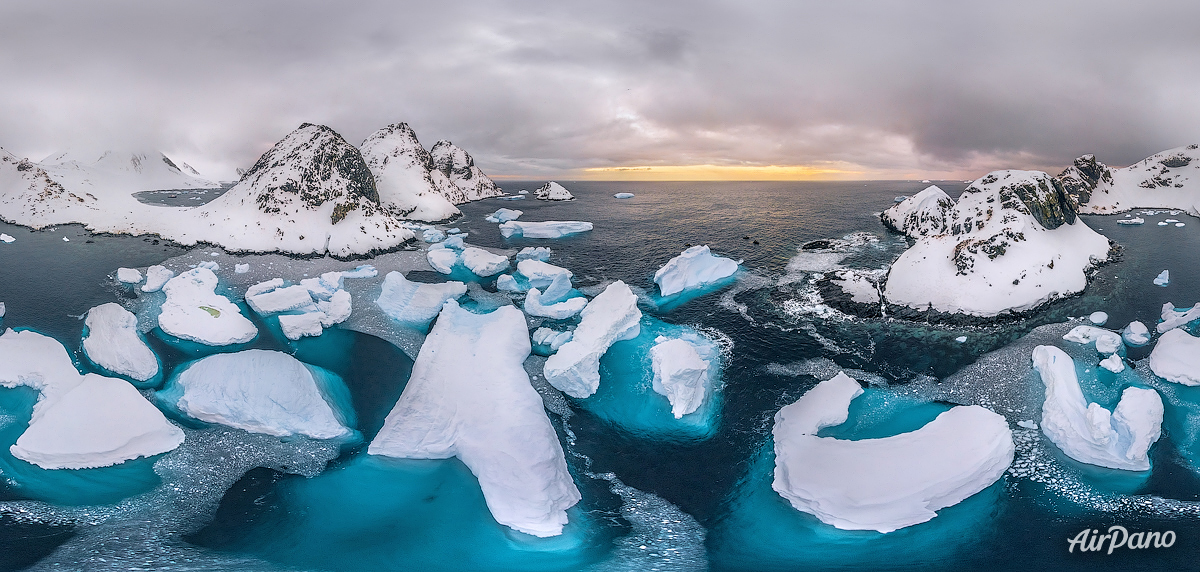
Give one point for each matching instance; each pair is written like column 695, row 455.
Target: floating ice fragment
column 1163, row 278
column 553, row 338
column 623, row 195
column 1098, row 318
column 503, row 215
column 1132, row 221
column 1135, row 334
column 129, row 275
column 1176, row 357
column 554, row 311
column 1113, row 363
column 610, row 317
column 541, row 253
column 241, row 268
column 1107, row 342
column 415, row 303
column 156, row 277
column 961, row 339
column 548, row 229
column 433, row 235
column 541, row 274
column 1028, row 424
column 113, row 343
column 680, row 374
column 693, row 268
column 1173, row 317
column 442, row 259
column 6, row 238
column 482, row 262
column 193, row 311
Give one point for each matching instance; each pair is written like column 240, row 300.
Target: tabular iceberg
column 693, row 268
column 415, row 303
column 548, row 229
column 1176, row 357
column 480, row 407
column 113, row 343
column 555, row 311
column 541, row 253
column 504, row 215
column 482, row 262
column 610, row 317
column 129, row 275
column 1135, row 334
column 623, row 195
column 442, row 258
column 1088, row 432
column 679, row 374
column 194, row 311
column 541, row 274
column 156, row 277
column 888, row 483
column 259, row 391
column 553, row 191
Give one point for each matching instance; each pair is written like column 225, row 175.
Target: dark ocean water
column 363, row 515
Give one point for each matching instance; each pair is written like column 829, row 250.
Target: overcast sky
column 542, row 89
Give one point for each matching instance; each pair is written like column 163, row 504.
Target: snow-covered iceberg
column 693, row 268
column 1173, row 317
column 1013, row 242
column 194, row 311
column 1089, row 433
column 541, row 253
column 610, row 317
column 548, row 229
column 482, row 262
column 923, row 214
column 156, row 278
column 554, row 310
column 113, row 343
column 479, row 406
column 1169, row 179
column 680, row 374
column 504, row 215
column 260, row 391
column 553, row 191
column 1176, row 357
column 552, row 339
column 1136, row 334
column 129, row 275
column 888, row 483
column 541, row 274
column 623, row 195
column 408, row 184
column 413, row 303
column 1107, row 342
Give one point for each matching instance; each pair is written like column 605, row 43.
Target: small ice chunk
column 693, row 268
column 156, row 277
column 548, row 229
column 961, row 339
column 2, row 309
column 296, row 326
column 260, row 391
column 1136, row 334
column 1088, row 432
column 1028, row 424
column 336, row 309
column 241, row 268
column 559, row 311
column 433, row 235
column 1173, row 317
column 483, row 263
column 1132, row 221
column 288, row 299
column 413, row 302
column 1107, row 342
column 454, row 230
column 541, row 274
column 553, row 338
column 209, row 265
column 1113, row 363
column 610, row 317
column 679, row 374
column 129, row 275
column 361, row 271
column 522, row 192
column 65, row 239
column 506, row 283
column 1180, row 224
column 194, row 311
column 442, row 259
column 113, row 343
column 623, row 195
column 1163, row 278
column 558, row 290
column 5, row 238
column 455, row 242
column 1176, row 357
column 504, row 215
column 541, row 253
column 1098, row 318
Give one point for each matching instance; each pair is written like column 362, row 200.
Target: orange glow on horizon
column 722, row 173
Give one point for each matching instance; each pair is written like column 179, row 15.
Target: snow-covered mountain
column 553, row 191
column 123, row 171
column 1010, row 243
column 1170, row 179
column 921, row 214
column 409, row 186
column 459, row 167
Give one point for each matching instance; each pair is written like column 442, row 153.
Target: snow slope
column 1169, row 179
column 459, row 168
column 922, row 214
column 403, row 175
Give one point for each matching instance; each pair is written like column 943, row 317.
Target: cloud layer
column 540, row 89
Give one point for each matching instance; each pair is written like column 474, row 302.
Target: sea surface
column 657, row 495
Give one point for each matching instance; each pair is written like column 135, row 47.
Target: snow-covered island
column 1168, row 179
column 553, row 191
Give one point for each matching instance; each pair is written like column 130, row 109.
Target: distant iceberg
column 623, row 195
column 548, row 229
column 503, row 215
column 553, row 191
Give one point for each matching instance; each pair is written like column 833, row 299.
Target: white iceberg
column 1173, row 317
column 888, row 483
column 113, row 343
column 194, row 311
column 680, row 374
column 552, row 338
column 1176, row 357
column 482, row 262
column 504, row 215
column 241, row 268
column 1113, row 363
column 413, row 302
column 432, row 235
column 156, row 277
column 1098, row 318
column 442, row 259
column 271, row 297
column 623, row 195
column 553, row 191
column 923, row 214
column 1163, row 278
column 1107, row 342
column 1088, row 432
column 260, row 391
column 1132, row 221
column 129, row 275
column 1135, row 334
column 610, row 317
column 541, row 274
column 558, row 290
column 6, row 238
column 693, row 268
column 479, row 406
column 554, row 311
column 548, row 229
column 506, row 283
column 541, row 253
column 296, row 326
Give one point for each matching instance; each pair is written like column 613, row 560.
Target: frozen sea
column 656, row 495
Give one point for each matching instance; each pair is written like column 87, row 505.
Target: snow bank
column 1176, row 357
column 679, row 374
column 504, row 215
column 193, row 311
column 129, row 275
column 889, row 483
column 1013, row 242
column 1088, row 432
column 156, row 277
column 548, row 229
column 554, row 311
column 923, row 214
column 693, row 268
column 259, row 391
column 480, row 407
column 112, row 342
column 414, row 303
column 610, row 317
column 553, row 191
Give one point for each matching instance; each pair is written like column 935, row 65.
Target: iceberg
column 1163, row 278
column 272, row 297
column 1173, row 317
column 553, row 191
column 432, row 235
column 156, row 277
column 6, row 238
column 1107, row 342
column 553, row 339
column 541, row 274
column 1088, row 432
column 623, row 195
column 610, row 317
column 504, row 215
column 1113, row 363
column 923, row 214
column 1132, row 221
column 296, row 326
column 679, row 374
column 554, row 311
column 241, row 268
column 693, row 268
column 260, row 391
column 541, row 253
column 1135, row 334
column 1098, row 318
column 442, row 259
column 506, row 283
column 888, row 483
column 99, row 422
column 194, row 311
column 414, row 303
column 129, row 275
column 112, row 342
column 548, row 229
column 558, row 290
column 479, row 406
column 1176, row 357
column 482, row 262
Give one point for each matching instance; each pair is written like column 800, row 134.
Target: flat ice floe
column 1163, row 278
column 112, row 342
column 482, row 262
column 680, row 374
column 1176, row 357
column 888, row 483
column 1136, row 334
column 1089, row 433
column 548, row 229
column 129, row 275
column 504, row 215
column 156, row 277
column 414, row 303
column 541, row 274
column 610, row 317
column 693, row 268
column 194, row 311
column 259, row 391
column 1106, row 341
column 479, row 406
